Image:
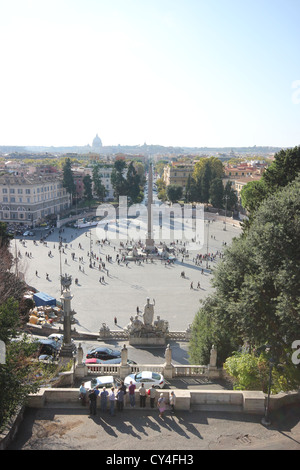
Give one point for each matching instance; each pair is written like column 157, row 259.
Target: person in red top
column 131, row 391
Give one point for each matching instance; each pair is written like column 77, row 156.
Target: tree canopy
column 257, row 297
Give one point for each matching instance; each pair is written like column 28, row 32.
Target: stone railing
column 167, row 369
column 107, row 334
column 190, row 370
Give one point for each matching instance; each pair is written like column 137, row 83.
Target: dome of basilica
column 97, row 142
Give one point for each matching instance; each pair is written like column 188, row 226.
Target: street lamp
column 91, row 249
column 266, row 419
column 207, row 225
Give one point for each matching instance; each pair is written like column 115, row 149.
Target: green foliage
column 251, row 372
column 99, row 188
column 9, row 320
column 174, row 192
column 87, row 183
column 257, row 297
column 133, row 184
column 68, row 180
column 283, row 170
column 248, row 371
column 205, row 332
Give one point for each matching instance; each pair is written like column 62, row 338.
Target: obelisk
column 149, row 240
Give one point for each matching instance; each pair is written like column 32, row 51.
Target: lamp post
column 91, row 249
column 207, row 225
column 266, row 419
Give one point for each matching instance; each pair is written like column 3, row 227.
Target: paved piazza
column 125, row 287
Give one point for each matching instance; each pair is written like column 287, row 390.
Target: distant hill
column 19, row 151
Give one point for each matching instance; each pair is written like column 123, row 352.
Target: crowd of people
column 114, row 399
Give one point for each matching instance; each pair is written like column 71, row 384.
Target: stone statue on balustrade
column 146, row 332
column 148, row 312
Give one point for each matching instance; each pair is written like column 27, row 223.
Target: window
column 12, row 191
column 4, row 190
column 12, row 199
column 27, row 191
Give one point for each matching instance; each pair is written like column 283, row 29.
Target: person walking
column 142, row 392
column 131, row 391
column 152, row 394
column 172, row 401
column 112, row 399
column 161, row 403
column 103, row 399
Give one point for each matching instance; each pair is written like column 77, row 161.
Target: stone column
column 68, row 346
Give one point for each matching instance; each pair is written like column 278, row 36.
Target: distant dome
column 97, row 142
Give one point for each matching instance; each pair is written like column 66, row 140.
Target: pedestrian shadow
column 105, row 425
column 107, row 422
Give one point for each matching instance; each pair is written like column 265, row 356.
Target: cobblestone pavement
column 134, row 430
column 125, row 287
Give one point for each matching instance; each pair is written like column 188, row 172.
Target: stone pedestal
column 168, row 368
column 125, row 368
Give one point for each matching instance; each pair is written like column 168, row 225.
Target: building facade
column 28, row 199
column 178, row 174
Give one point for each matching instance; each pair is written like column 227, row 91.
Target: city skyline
column 198, row 74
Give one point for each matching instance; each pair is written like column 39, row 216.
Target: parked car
column 148, row 378
column 57, row 337
column 50, row 347
column 107, row 381
column 46, row 358
column 117, row 360
column 103, row 353
column 28, row 234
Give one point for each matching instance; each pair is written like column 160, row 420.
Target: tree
column 87, row 182
column 68, row 179
column 118, row 180
column 216, row 193
column 206, row 170
column 99, row 187
column 250, row 371
column 257, row 297
column 174, row 192
column 282, row 171
column 133, row 182
column 252, row 195
column 231, row 197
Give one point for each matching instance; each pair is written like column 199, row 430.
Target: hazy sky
column 169, row 72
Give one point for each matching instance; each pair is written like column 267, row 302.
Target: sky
column 193, row 73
